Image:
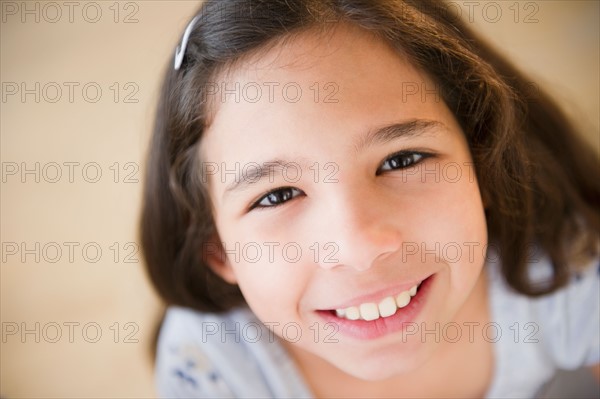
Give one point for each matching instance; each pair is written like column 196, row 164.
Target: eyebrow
column 257, row 172
column 387, row 133
column 381, row 135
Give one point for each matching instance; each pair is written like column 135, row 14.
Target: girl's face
column 339, row 180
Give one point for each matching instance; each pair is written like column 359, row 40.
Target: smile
column 372, row 320
column 373, row 311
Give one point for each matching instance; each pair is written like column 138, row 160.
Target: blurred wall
column 79, row 85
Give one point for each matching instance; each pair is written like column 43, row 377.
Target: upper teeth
column 371, row 311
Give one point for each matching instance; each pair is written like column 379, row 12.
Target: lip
column 377, row 296
column 368, row 330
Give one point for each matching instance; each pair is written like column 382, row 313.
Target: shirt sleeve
column 206, row 355
column 182, row 368
column 570, row 320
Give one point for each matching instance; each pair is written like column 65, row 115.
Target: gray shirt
column 234, row 355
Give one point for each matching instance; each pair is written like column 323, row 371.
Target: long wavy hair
column 538, row 178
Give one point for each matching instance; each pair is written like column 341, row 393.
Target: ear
column 214, row 256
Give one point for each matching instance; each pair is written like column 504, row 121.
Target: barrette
column 180, row 50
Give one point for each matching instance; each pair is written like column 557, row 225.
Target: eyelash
column 421, row 156
column 279, row 190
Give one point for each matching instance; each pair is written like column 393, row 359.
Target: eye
column 276, row 197
column 401, row 160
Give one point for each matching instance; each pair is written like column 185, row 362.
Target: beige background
column 561, row 50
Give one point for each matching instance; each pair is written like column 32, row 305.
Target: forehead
column 310, row 52
column 349, row 57
column 309, row 89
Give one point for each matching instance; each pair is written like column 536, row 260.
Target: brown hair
column 537, row 177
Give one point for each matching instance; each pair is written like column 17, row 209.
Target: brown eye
column 401, row 160
column 276, row 197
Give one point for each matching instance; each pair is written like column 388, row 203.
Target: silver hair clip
column 180, row 50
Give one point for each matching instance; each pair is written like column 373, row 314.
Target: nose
column 359, row 230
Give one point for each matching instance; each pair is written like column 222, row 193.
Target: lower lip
column 366, row 330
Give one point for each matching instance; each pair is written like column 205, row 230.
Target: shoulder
column 570, row 319
column 564, row 324
column 183, row 368
column 220, row 355
column 533, row 337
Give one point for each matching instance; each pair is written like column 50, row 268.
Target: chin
column 387, row 364
column 376, row 372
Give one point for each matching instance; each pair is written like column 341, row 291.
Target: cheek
column 447, row 212
column 272, row 287
column 465, row 235
column 449, row 223
column 465, row 218
column 269, row 261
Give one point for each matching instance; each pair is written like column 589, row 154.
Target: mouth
column 387, row 315
column 387, row 307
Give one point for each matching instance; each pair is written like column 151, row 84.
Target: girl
column 361, row 199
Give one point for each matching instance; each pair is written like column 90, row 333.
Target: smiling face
column 346, row 182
